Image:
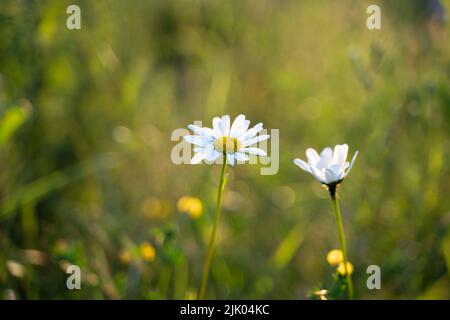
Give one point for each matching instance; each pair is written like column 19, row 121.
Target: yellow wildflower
column 341, row 268
column 335, row 257
column 190, row 205
column 125, row 256
column 148, row 252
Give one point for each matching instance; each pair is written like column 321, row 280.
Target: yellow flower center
column 227, row 144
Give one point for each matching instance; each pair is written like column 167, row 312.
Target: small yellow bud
column 148, row 253
column 341, row 268
column 153, row 208
column 190, row 205
column 335, row 257
column 125, row 256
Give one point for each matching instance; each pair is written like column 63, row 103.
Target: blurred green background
column 86, row 118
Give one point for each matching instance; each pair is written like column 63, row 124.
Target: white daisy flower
column 330, row 167
column 233, row 140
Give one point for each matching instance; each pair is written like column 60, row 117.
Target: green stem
column 337, row 210
column 209, row 254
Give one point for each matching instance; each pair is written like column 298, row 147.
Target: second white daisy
column 330, row 166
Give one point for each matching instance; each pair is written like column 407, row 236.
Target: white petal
column 241, row 156
column 212, row 155
column 326, row 153
column 201, row 141
column 205, row 131
column 338, row 171
column 216, row 126
column 318, row 174
column 340, row 154
column 198, row 157
column 217, row 155
column 250, row 133
column 199, row 149
column 225, row 125
column 256, row 151
column 351, row 164
column 239, row 126
column 256, row 140
column 209, row 152
column 237, row 123
column 302, row 164
column 312, row 156
column 330, row 176
column 325, row 158
column 230, row 158
column 244, row 127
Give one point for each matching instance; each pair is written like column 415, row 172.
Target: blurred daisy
column 321, row 294
column 330, row 167
column 233, row 140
